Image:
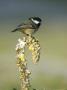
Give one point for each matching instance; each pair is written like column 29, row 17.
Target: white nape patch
column 35, row 21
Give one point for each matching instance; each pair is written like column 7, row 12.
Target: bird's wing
column 23, row 26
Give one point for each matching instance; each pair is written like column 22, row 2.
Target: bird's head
column 36, row 20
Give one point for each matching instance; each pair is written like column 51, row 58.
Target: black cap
column 36, row 18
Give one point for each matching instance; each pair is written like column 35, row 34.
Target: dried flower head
column 34, row 47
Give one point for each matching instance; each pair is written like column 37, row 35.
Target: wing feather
column 24, row 26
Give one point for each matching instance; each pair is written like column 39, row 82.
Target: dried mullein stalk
column 34, row 47
column 22, row 65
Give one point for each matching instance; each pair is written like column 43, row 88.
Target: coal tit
column 30, row 26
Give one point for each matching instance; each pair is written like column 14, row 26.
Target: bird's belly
column 28, row 31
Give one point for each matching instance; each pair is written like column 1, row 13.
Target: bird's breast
column 28, row 31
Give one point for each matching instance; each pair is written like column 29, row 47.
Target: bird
column 30, row 26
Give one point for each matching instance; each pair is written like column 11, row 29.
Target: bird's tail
column 14, row 30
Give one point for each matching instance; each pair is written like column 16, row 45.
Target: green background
column 51, row 70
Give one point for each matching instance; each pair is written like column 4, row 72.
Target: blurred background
column 51, row 70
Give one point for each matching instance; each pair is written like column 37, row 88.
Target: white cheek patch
column 35, row 21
